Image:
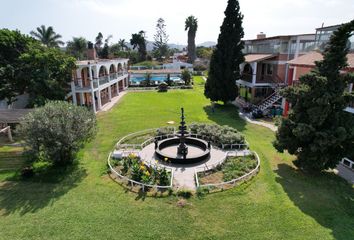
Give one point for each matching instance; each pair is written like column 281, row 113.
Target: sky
column 121, row 18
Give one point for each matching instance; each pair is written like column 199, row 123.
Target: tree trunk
column 191, row 46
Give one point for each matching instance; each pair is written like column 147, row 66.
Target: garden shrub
column 165, row 131
column 217, row 134
column 235, row 167
column 185, row 193
column 41, row 166
column 57, row 131
column 134, row 168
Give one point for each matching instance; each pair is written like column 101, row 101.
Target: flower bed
column 233, row 170
column 132, row 167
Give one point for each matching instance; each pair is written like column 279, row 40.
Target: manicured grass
column 279, row 203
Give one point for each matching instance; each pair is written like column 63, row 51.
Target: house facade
column 95, row 82
column 303, row 64
column 265, row 69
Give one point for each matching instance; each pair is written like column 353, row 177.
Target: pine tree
column 226, row 58
column 318, row 130
column 161, row 40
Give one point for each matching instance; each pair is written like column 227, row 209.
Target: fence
column 231, row 182
column 151, row 140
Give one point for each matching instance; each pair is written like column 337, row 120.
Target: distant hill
column 207, row 44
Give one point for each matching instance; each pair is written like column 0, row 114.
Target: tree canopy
column 226, row 58
column 13, row 81
column 57, row 131
column 27, row 66
column 318, row 130
column 161, row 40
column 47, row 36
column 138, row 41
column 77, row 47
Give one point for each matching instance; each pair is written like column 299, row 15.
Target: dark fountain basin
column 198, row 150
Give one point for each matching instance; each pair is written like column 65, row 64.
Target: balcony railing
column 247, row 77
column 95, row 83
column 113, row 76
column 103, row 79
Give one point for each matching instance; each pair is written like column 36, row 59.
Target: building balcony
column 103, row 79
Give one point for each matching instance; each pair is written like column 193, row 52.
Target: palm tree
column 77, row 47
column 122, row 45
column 47, row 36
column 138, row 41
column 191, row 25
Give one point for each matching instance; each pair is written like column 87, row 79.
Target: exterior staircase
column 269, row 101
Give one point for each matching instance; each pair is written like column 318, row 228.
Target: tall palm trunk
column 191, row 46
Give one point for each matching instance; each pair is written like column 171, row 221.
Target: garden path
column 184, row 174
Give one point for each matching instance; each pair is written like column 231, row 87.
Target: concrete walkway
column 184, row 174
column 267, row 125
column 108, row 106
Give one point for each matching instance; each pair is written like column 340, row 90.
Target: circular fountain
column 182, row 149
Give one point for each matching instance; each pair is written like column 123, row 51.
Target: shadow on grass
column 327, row 198
column 29, row 196
column 225, row 115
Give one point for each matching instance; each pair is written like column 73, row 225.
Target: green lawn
column 279, row 203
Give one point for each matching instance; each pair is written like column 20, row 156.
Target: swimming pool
column 136, row 79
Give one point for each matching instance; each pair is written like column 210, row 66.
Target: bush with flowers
column 136, row 169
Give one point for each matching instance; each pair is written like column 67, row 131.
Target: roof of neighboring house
column 12, row 115
column 280, row 37
column 257, row 57
column 309, row 59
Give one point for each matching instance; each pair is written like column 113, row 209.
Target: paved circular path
column 184, row 173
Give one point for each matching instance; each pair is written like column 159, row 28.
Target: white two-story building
column 96, row 81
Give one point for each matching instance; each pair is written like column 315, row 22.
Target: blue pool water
column 136, row 79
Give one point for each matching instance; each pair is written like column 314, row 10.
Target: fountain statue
column 182, row 148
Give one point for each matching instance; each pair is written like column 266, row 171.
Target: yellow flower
column 166, row 159
column 156, row 161
column 147, row 173
column 142, row 167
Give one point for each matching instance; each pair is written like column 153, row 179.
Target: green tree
column 47, row 36
column 122, row 45
column 226, row 58
column 317, row 130
column 204, row 52
column 138, row 41
column 48, row 72
column 98, row 42
column 186, row 76
column 13, row 81
column 57, row 131
column 77, row 47
column 191, row 24
column 161, row 39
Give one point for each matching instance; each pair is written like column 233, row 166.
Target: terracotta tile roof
column 310, row 58
column 257, row 57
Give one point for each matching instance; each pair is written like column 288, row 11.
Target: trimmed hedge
column 217, row 134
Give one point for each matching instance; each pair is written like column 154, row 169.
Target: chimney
column 91, row 51
column 261, row 35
